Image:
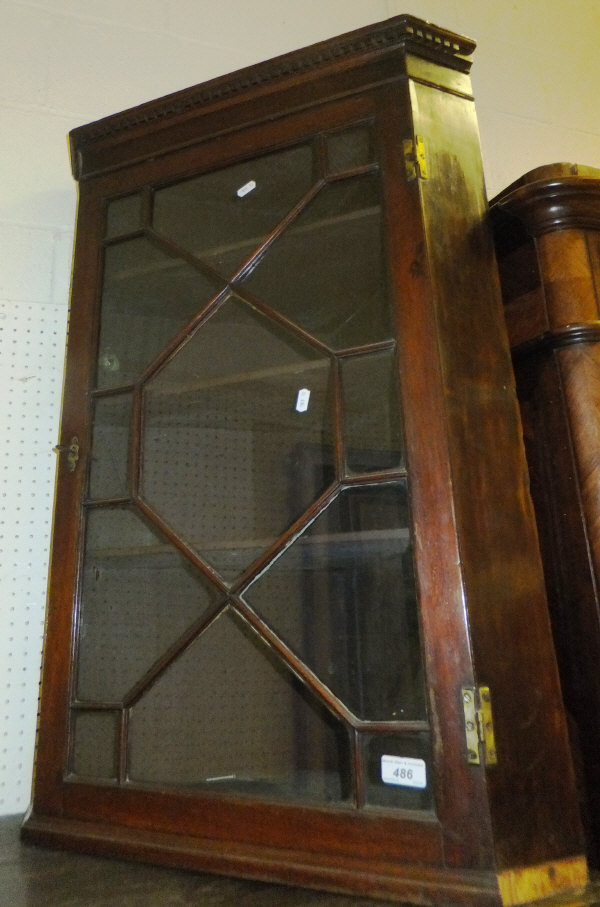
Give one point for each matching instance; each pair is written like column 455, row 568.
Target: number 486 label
column 403, row 771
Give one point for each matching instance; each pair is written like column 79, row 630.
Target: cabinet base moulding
column 360, row 877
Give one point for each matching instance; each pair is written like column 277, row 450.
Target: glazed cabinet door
column 246, row 623
column 247, row 611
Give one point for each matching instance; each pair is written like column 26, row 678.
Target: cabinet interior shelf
column 367, row 537
column 254, row 242
column 250, row 377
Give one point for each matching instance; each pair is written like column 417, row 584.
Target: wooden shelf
column 369, row 537
column 207, row 255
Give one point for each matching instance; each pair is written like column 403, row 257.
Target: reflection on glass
column 95, row 750
column 238, row 431
column 226, row 423
column 372, row 433
column 223, row 217
column 348, row 149
column 123, row 215
column 138, row 596
column 229, row 717
column 398, row 770
column 326, row 271
column 110, row 447
column 342, row 597
column 147, row 297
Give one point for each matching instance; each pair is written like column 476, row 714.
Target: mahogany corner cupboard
column 297, row 624
column 547, row 231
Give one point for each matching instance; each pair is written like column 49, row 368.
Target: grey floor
column 39, row 877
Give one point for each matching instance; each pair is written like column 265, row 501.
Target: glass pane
column 224, row 427
column 123, row 215
column 95, row 746
column 326, row 272
column 223, row 217
column 372, row 432
column 229, row 717
column 342, row 596
column 348, row 149
column 110, row 447
column 398, row 771
column 139, row 595
column 147, row 297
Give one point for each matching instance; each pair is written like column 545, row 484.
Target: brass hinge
column 72, row 451
column 479, row 725
column 415, row 159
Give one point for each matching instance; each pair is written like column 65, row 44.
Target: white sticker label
column 246, row 188
column 302, row 400
column 404, row 771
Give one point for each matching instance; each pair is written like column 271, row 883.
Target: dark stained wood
column 551, row 218
column 483, row 609
column 497, row 544
column 35, row 876
column 438, row 558
column 330, row 69
column 28, row 874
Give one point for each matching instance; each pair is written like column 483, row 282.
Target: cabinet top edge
column 403, row 32
column 544, row 205
column 547, row 174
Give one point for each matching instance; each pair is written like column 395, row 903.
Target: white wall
column 66, row 62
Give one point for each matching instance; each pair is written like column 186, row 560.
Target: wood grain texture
column 568, row 284
column 521, row 886
column 580, row 371
column 556, row 210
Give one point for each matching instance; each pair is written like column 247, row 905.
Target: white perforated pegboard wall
column 32, row 341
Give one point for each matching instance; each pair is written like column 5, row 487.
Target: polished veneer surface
column 547, row 231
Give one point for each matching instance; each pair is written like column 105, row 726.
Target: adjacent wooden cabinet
column 547, row 230
column 297, row 625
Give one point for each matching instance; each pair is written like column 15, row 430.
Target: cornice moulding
column 404, row 32
column 548, row 205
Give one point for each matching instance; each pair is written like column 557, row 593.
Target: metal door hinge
column 479, row 725
column 72, row 451
column 415, row 159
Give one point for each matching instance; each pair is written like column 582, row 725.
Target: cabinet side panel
column 461, row 794
column 504, row 587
